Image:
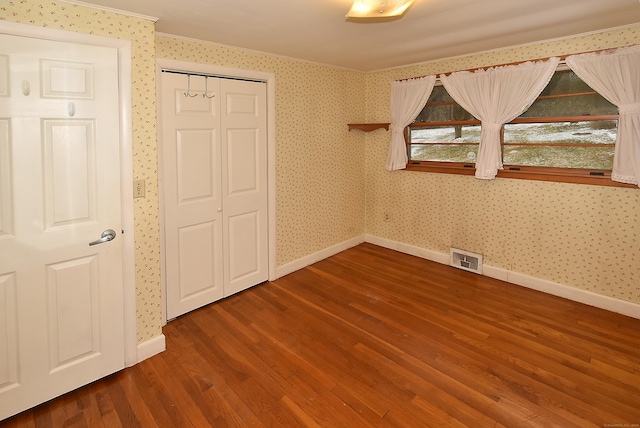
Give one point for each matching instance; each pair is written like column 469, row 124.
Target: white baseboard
column 554, row 288
column 566, row 291
column 316, row 257
column 151, row 347
column 424, row 253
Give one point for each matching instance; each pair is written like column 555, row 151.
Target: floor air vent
column 466, row 260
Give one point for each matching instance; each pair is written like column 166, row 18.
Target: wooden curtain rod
column 562, row 59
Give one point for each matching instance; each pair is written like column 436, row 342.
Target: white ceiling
column 317, row 30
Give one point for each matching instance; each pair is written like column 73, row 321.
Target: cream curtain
column 616, row 76
column 496, row 96
column 408, row 97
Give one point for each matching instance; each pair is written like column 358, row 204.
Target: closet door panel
column 244, row 183
column 192, row 192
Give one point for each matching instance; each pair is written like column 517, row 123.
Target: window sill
column 560, row 175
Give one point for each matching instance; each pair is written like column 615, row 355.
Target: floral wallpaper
column 578, row 235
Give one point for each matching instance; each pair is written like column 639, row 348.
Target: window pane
column 446, row 134
column 439, row 95
column 560, row 157
column 444, row 153
column 440, row 107
column 582, row 105
column 565, row 82
column 585, row 132
column 444, row 113
column 568, row 83
column 445, row 143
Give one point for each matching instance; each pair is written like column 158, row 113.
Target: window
column 568, row 134
column 443, row 131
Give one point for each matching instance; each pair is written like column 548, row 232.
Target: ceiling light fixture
column 378, row 8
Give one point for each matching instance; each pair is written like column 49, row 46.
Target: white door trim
column 126, row 154
column 270, row 79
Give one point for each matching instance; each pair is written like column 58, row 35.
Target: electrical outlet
column 138, row 188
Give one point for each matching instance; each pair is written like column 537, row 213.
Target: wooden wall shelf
column 368, row 127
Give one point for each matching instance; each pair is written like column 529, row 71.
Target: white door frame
column 126, row 158
column 216, row 70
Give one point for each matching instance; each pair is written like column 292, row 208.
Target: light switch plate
column 138, row 188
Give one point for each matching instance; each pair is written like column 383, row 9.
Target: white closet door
column 244, row 150
column 192, row 196
column 214, row 162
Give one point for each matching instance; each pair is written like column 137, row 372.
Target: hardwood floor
column 372, row 337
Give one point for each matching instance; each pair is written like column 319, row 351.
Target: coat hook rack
column 206, row 89
column 188, row 93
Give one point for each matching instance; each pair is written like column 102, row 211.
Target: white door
column 61, row 300
column 214, row 160
column 244, row 182
column 191, row 153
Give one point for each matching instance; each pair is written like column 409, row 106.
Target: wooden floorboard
column 371, row 338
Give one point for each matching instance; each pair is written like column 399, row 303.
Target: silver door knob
column 107, row 235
